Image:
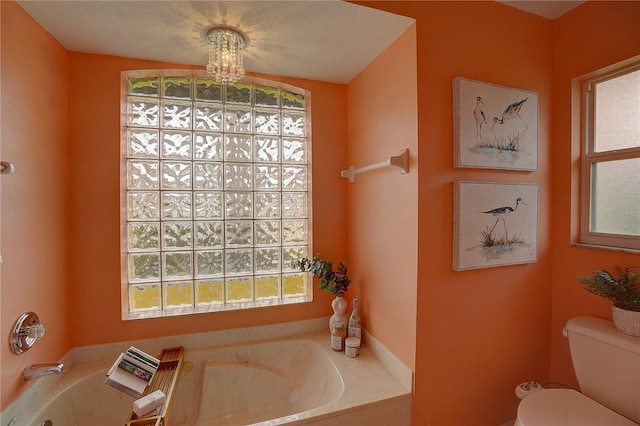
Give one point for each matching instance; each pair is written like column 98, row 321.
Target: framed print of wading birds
column 495, row 224
column 494, row 127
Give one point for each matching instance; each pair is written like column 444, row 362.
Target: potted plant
column 623, row 290
column 335, row 281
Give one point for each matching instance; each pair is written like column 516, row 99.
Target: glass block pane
column 267, row 204
column 615, row 197
column 176, row 235
column 208, row 146
column 238, row 233
column 294, row 231
column 294, row 284
column 209, row 292
column 266, row 96
column 208, row 117
column 207, row 175
column 176, row 115
column 238, row 261
column 239, row 289
column 143, row 236
column 143, row 86
column 237, row 176
column 238, row 93
column 142, row 174
column 267, row 121
column 267, row 287
column 142, row 143
column 144, row 297
column 294, row 151
column 177, row 87
column 176, row 175
column 267, row 260
column 209, row 234
column 294, row 124
column 142, row 205
column 209, row 263
column 142, row 112
column 144, row 267
column 267, row 177
column 294, row 204
column 238, row 205
column 289, row 254
column 176, row 205
column 177, row 265
column 293, row 100
column 237, row 148
column 208, row 205
column 294, row 178
column 617, row 113
column 267, row 233
column 176, row 145
column 237, row 120
column 208, row 89
column 178, row 294
column 267, row 149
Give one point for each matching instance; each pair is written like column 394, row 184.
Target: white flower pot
column 626, row 321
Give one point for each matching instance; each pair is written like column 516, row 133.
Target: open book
column 132, row 372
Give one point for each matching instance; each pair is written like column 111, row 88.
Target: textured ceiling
column 326, row 40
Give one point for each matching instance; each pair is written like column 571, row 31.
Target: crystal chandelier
column 226, row 57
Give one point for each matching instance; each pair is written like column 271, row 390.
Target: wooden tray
column 166, row 380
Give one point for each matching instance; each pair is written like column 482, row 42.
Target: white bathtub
column 285, row 380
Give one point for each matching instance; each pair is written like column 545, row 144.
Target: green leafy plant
column 623, row 290
column 335, row 281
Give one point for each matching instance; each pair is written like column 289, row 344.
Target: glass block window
column 216, row 194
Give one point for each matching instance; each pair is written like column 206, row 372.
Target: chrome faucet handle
column 26, row 332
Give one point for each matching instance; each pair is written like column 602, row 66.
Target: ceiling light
column 226, row 54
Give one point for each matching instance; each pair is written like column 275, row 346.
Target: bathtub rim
column 85, row 357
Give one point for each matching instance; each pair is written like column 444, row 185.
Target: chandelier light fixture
column 226, row 53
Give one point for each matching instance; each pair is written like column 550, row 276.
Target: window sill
column 130, row 316
column 599, row 247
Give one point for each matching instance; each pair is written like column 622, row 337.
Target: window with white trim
column 216, row 201
column 610, row 211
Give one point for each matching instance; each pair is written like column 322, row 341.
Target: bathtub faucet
column 35, row 371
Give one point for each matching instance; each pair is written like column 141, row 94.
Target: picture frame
column 495, row 224
column 494, row 127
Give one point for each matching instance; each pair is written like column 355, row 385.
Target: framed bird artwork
column 494, row 127
column 495, row 224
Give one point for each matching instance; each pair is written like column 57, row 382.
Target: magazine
column 132, row 372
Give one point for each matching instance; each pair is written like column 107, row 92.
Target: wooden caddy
column 166, row 380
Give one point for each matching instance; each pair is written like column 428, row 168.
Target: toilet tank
column 607, row 364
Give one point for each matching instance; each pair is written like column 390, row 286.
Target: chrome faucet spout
column 35, row 371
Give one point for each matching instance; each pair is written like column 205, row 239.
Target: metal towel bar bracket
column 6, row 167
column 401, row 161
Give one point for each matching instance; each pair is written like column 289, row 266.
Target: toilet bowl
column 555, row 407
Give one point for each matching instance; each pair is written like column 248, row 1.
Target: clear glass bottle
column 355, row 327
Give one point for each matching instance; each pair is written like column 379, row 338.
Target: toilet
column 607, row 365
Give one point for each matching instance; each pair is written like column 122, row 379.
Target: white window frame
column 283, row 298
column 589, row 157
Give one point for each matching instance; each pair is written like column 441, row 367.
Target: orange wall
column 593, row 36
column 383, row 204
column 94, row 101
column 481, row 332
column 34, row 199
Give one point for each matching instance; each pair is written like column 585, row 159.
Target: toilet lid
column 566, row 407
